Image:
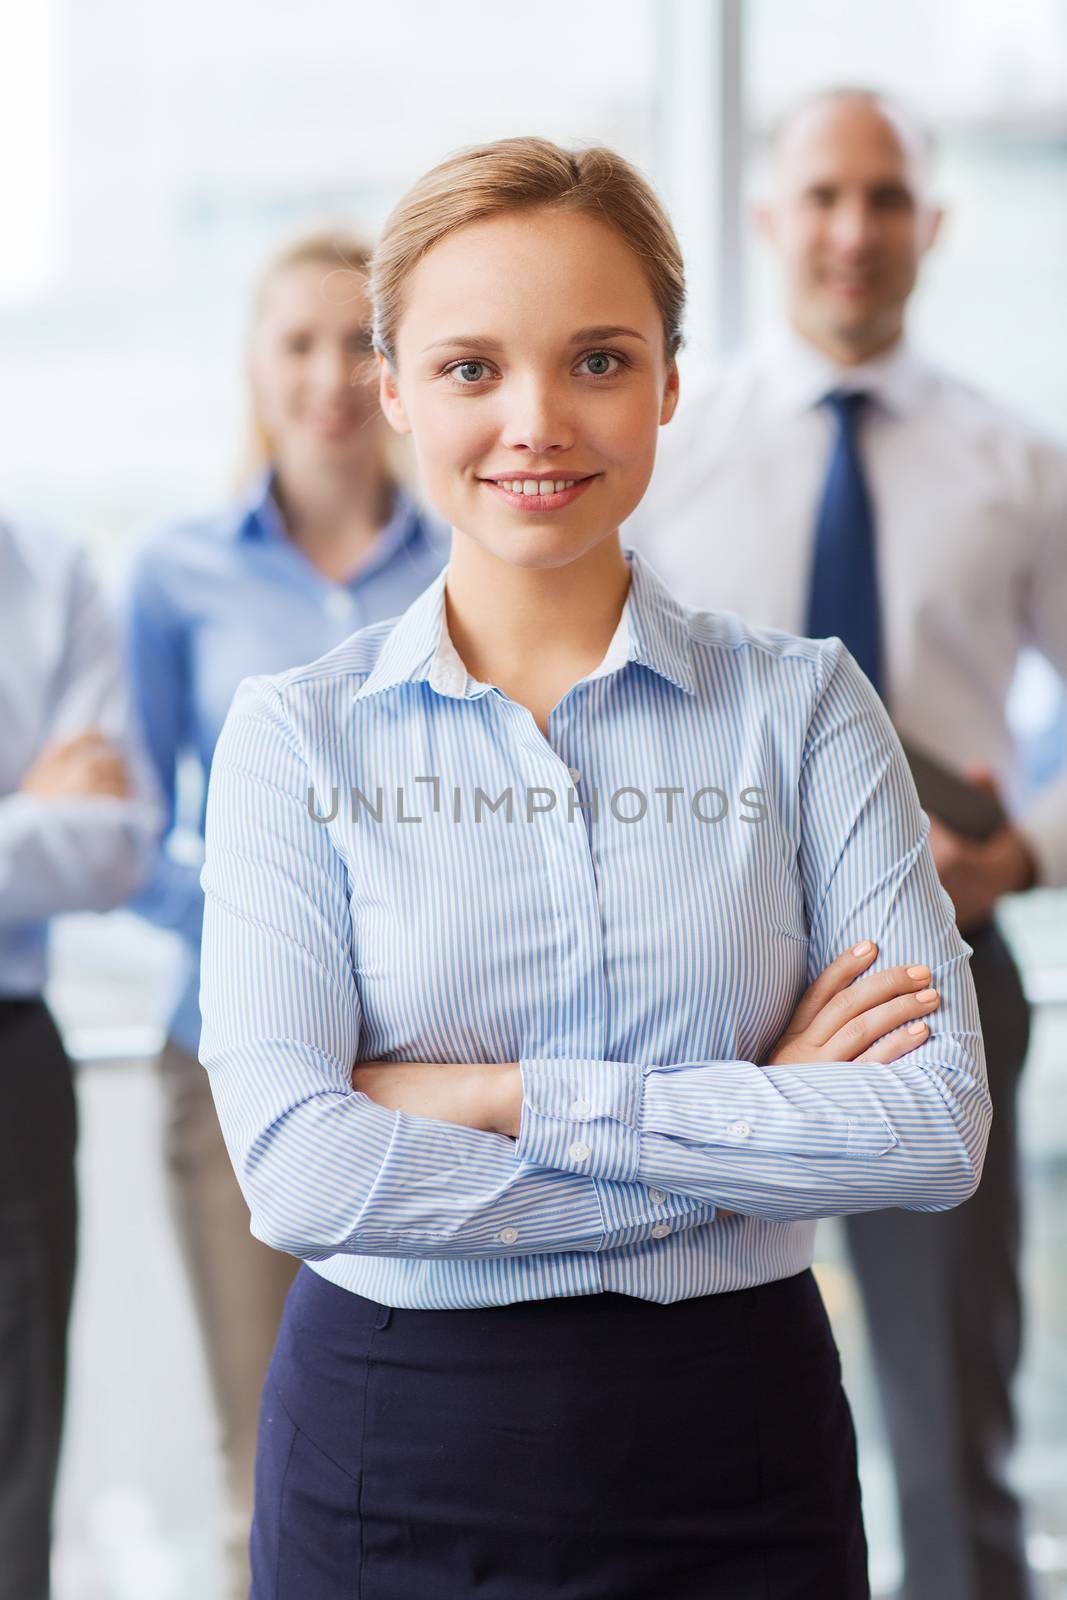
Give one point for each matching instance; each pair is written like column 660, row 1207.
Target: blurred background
column 154, row 154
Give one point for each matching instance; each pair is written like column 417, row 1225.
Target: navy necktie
column 843, row 594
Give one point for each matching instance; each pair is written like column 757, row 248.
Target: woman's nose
column 537, row 420
column 332, row 369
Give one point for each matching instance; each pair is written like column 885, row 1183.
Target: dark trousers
column 37, row 1244
column 599, row 1447
column 239, row 1286
column 942, row 1299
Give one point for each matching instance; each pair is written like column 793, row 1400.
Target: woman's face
column 530, row 352
column 309, row 363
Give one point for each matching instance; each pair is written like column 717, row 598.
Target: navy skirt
column 599, row 1447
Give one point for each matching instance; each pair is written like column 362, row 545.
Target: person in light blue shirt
column 78, row 825
column 532, row 920
column 324, row 540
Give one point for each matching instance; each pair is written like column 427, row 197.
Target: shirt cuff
column 582, row 1116
column 737, row 1113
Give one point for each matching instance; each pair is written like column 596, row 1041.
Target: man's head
column 851, row 218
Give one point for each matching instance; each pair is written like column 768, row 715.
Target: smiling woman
column 546, row 403
column 537, row 1095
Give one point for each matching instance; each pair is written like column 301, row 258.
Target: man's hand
column 86, row 765
column 976, row 872
column 482, row 1095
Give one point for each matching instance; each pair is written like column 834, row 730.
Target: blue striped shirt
column 630, row 908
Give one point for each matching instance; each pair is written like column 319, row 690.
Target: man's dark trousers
column 37, row 1247
column 942, row 1298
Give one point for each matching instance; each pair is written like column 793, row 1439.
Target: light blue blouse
column 629, row 908
column 213, row 600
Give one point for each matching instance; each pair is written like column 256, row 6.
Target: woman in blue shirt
column 511, row 906
column 323, row 541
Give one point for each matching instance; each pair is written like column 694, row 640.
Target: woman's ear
column 670, row 394
column 389, row 396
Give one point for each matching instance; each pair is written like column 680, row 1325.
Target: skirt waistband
column 317, row 1300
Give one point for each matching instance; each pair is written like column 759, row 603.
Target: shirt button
column 575, row 775
column 581, row 1109
column 656, row 1196
column 579, row 1152
column 661, row 1230
column 739, row 1130
column 508, row 1235
column 338, row 604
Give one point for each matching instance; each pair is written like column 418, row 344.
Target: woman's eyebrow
column 468, row 341
column 477, row 341
column 610, row 331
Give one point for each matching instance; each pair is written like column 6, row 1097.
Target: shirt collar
column 798, row 375
column 653, row 630
column 258, row 517
column 257, row 514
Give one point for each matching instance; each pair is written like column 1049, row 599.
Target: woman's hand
column 878, row 1019
column 482, row 1095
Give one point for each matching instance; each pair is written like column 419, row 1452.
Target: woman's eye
column 469, row 371
column 298, row 344
column 598, row 363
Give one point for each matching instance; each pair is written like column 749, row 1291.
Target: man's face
column 851, row 224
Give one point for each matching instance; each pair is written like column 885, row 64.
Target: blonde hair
column 513, row 175
column 346, row 255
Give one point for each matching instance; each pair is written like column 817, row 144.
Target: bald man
column 835, row 482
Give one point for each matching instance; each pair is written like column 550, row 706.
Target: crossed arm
column 879, row 1019
column 446, row 1160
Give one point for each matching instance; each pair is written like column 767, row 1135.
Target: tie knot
column 846, row 404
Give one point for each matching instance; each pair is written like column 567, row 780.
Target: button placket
column 579, row 947
column 570, row 881
column 338, row 604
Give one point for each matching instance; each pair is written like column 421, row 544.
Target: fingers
column 896, row 1044
column 870, row 992
column 831, row 981
column 89, row 742
column 88, row 739
column 982, row 778
column 864, row 1030
column 106, row 775
column 94, row 769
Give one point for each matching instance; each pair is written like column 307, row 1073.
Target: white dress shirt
column 970, row 510
column 59, row 676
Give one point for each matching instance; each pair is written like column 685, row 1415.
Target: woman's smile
column 540, row 493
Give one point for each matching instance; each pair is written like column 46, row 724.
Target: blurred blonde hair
column 518, row 174
column 346, row 255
